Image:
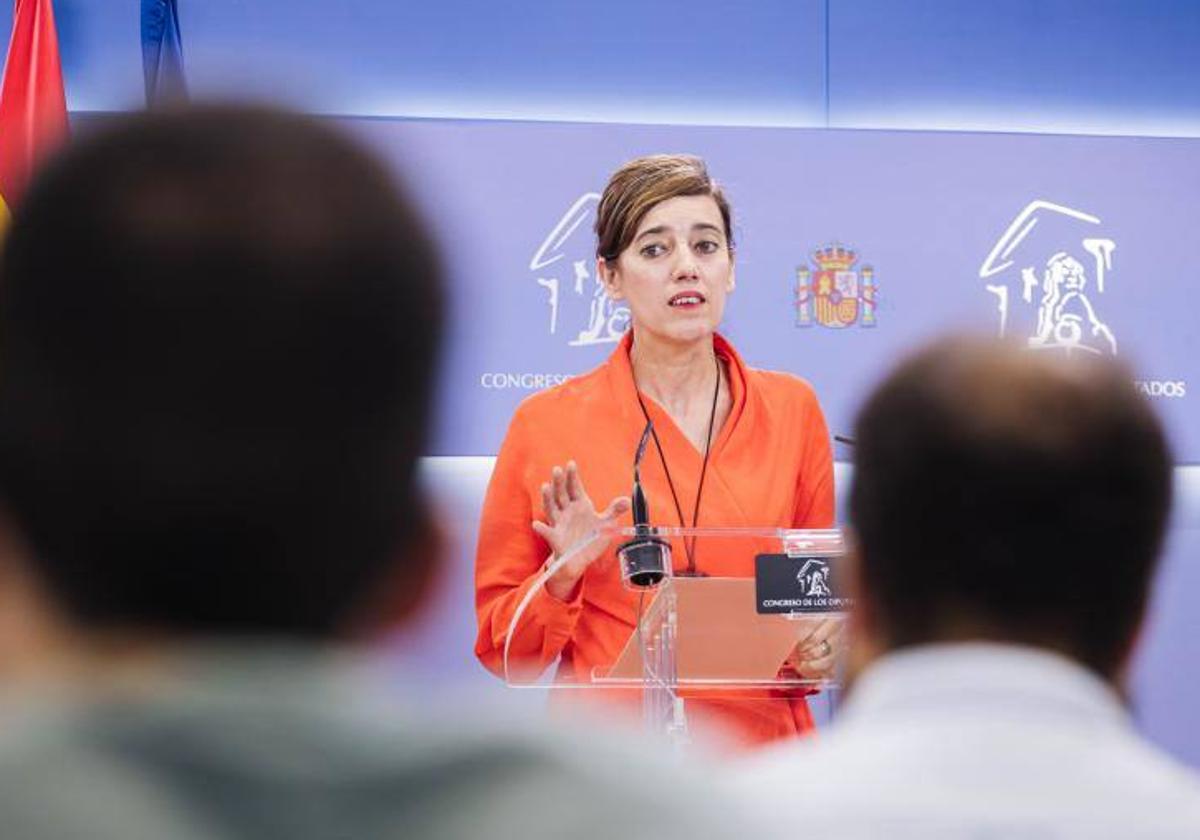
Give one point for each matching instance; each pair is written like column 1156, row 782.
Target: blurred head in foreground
column 218, row 336
column 1007, row 496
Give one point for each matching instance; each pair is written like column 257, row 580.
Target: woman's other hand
column 815, row 657
column 570, row 519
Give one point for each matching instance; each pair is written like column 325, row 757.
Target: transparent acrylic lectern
column 717, row 634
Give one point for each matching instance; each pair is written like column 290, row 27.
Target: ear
column 610, row 276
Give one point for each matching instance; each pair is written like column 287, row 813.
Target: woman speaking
column 732, row 446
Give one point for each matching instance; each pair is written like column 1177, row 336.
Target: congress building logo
column 564, row 266
column 833, row 292
column 1048, row 272
column 813, row 578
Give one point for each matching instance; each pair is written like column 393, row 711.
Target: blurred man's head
column 1007, row 495
column 218, row 337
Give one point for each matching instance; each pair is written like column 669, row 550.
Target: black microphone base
column 645, row 561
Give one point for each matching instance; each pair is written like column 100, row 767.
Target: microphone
column 641, row 515
column 646, row 558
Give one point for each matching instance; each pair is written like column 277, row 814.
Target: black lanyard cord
column 689, row 545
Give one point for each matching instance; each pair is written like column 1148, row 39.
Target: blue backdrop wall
column 1093, row 66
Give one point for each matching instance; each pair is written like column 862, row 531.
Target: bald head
column 1006, row 494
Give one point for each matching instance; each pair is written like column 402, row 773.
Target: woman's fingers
column 558, row 479
column 821, row 666
column 575, row 489
column 820, row 642
column 827, row 643
column 817, row 658
column 810, row 638
column 565, row 486
column 568, row 510
column 616, row 508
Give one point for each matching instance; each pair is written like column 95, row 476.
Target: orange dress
column 770, row 465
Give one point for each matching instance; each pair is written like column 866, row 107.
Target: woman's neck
column 679, row 377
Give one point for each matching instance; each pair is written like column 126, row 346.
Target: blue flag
column 162, row 53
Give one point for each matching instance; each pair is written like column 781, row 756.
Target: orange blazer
column 770, row 465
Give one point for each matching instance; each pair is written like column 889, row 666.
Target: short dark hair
column 218, row 336
column 641, row 184
column 1019, row 495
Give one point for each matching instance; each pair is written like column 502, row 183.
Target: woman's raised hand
column 571, row 519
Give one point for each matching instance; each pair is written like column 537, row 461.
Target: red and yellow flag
column 33, row 107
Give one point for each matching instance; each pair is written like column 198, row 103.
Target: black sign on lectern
column 805, row 584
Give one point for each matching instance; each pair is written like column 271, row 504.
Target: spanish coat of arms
column 835, row 295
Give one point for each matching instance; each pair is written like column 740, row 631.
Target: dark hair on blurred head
column 218, row 337
column 1010, row 495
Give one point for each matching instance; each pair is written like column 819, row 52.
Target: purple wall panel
column 1080, row 239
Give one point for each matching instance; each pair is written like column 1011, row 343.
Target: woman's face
column 676, row 272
